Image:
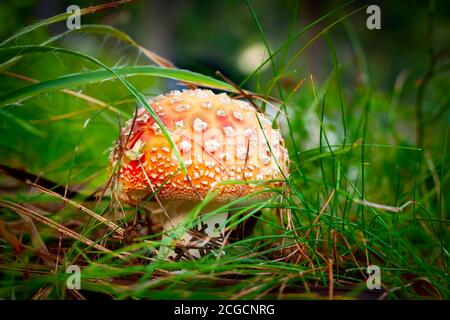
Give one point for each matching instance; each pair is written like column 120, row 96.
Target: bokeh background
column 370, row 90
column 222, row 35
column 209, row 36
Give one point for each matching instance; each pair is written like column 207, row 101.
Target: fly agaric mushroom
column 219, row 140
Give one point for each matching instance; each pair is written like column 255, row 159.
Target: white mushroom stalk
column 191, row 237
column 228, row 148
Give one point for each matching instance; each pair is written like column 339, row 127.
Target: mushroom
column 225, row 150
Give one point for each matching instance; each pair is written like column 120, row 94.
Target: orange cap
column 219, row 139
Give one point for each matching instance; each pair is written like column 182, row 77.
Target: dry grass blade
column 42, row 293
column 382, row 206
column 28, row 226
column 105, row 6
column 25, row 212
column 320, row 214
column 250, row 95
column 10, row 237
column 245, row 94
column 77, row 295
column 267, row 101
column 330, row 280
column 96, row 216
column 247, row 291
column 63, row 116
column 64, row 16
column 163, row 62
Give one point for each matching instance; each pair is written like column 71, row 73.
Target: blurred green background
column 364, row 92
column 209, row 36
column 222, row 35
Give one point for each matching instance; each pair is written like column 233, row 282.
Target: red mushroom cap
column 219, row 139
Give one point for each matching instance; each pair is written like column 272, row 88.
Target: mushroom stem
column 186, row 240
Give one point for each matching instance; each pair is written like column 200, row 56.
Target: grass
column 360, row 191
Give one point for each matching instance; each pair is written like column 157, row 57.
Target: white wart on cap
column 226, row 145
column 219, row 139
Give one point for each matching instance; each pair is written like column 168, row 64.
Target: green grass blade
column 59, row 18
column 43, row 49
column 78, row 79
